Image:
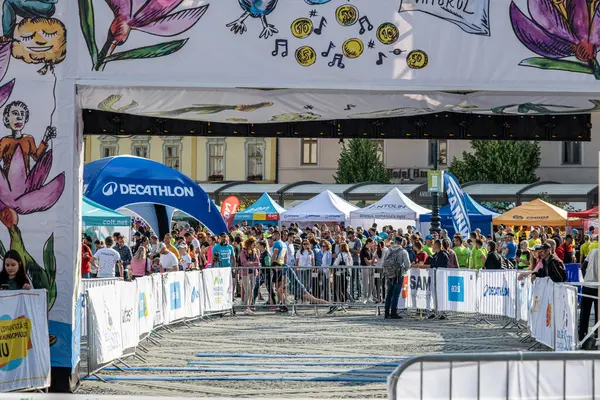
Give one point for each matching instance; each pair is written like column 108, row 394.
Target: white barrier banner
column 157, row 292
column 85, row 285
column 192, row 294
column 24, row 346
column 542, row 326
column 218, row 289
column 456, row 290
column 420, row 284
column 402, row 301
column 497, row 291
column 146, row 305
column 105, row 336
column 524, row 288
column 173, row 291
column 129, row 310
column 565, row 314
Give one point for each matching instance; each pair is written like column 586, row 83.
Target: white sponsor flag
column 565, row 314
column 524, row 288
column 218, row 289
column 157, row 292
column 24, row 346
column 129, row 314
column 420, row 289
column 472, row 16
column 105, row 329
column 542, row 303
column 146, row 305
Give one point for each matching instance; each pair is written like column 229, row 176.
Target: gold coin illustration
column 353, row 48
column 306, row 56
column 417, row 59
column 346, row 15
column 388, row 33
column 301, row 28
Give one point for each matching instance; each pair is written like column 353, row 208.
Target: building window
column 109, row 146
column 442, row 151
column 216, row 159
column 380, row 149
column 172, row 152
column 140, row 146
column 571, row 153
column 310, row 151
column 255, row 159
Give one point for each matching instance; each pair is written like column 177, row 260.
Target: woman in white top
column 321, row 281
column 340, row 278
column 305, row 261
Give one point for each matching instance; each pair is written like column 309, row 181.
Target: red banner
column 229, row 208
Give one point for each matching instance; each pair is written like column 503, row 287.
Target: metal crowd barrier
column 90, row 283
column 564, row 375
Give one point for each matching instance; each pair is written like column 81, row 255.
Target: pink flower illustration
column 24, row 193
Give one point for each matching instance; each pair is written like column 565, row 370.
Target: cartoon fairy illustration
column 212, row 109
column 255, row 9
column 40, row 41
column 24, row 9
column 155, row 17
column 15, row 117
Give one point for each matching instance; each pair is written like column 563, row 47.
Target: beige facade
column 200, row 158
column 409, row 160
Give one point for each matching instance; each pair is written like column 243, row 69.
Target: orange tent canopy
column 536, row 212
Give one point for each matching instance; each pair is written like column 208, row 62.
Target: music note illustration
column 365, row 20
column 322, row 24
column 397, row 52
column 283, row 43
column 381, row 57
column 337, row 58
column 326, row 53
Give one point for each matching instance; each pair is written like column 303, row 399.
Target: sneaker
column 395, row 316
column 442, row 317
column 431, row 316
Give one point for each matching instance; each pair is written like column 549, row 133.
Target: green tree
column 498, row 161
column 359, row 162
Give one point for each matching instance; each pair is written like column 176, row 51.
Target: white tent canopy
column 324, row 207
column 393, row 209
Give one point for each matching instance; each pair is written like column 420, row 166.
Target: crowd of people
column 325, row 264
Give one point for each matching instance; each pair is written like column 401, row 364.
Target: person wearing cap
column 566, row 251
column 168, row 262
column 427, row 248
column 509, row 248
column 184, row 258
column 552, row 267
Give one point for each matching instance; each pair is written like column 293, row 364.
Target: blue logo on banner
column 195, row 295
column 495, row 291
column 456, row 289
column 460, row 217
column 175, row 296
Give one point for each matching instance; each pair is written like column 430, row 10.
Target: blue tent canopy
column 120, row 181
column 479, row 216
column 265, row 210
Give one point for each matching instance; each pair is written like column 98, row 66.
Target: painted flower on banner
column 156, row 17
column 558, row 29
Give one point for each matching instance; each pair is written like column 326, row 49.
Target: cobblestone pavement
column 351, row 334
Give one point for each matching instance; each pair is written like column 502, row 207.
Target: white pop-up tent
column 324, row 207
column 393, row 209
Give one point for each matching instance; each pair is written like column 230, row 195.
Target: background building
column 202, row 159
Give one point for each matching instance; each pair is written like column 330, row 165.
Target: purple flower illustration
column 24, row 193
column 559, row 29
column 156, row 17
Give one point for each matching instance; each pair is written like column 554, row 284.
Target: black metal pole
column 435, row 210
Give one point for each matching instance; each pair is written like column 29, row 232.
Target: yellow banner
column 14, row 339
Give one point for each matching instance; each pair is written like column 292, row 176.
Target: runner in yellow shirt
column 584, row 250
column 427, row 248
column 478, row 255
column 535, row 240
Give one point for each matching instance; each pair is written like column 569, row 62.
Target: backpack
column 392, row 263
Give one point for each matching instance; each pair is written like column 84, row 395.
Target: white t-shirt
column 304, row 258
column 196, row 244
column 186, row 260
column 106, row 260
column 168, row 261
column 291, row 256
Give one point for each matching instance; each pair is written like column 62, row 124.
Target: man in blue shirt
column 223, row 253
column 510, row 247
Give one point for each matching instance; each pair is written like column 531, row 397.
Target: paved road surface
column 356, row 333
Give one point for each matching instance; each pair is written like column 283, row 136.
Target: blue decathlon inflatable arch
column 121, row 181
